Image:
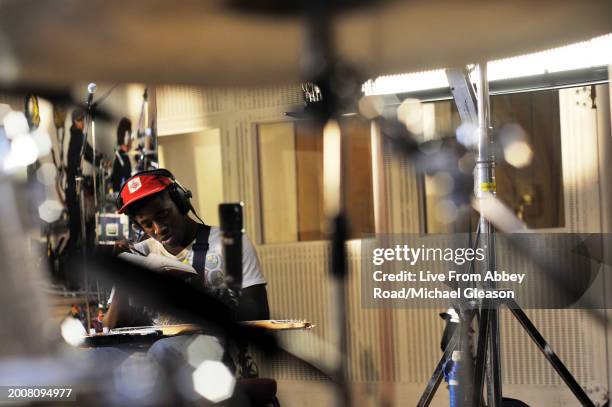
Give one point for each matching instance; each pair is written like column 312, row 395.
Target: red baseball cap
column 141, row 186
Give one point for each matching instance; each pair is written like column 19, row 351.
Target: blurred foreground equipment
column 210, row 42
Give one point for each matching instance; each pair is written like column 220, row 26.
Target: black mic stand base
column 483, row 369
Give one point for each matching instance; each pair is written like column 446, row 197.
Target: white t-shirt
column 251, row 271
column 213, row 277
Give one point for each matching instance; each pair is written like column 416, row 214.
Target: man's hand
column 122, row 246
column 226, row 295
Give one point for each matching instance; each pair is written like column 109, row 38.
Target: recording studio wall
column 297, row 272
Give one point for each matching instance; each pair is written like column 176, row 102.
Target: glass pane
column 277, row 180
column 195, row 160
column 358, row 179
column 534, row 192
column 291, row 180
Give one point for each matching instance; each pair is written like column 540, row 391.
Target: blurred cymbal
column 214, row 43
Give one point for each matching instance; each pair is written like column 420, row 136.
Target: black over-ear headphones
column 179, row 194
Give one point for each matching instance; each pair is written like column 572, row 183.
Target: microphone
column 230, row 217
column 91, row 89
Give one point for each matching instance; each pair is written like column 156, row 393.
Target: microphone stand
column 320, row 68
column 93, row 147
column 230, row 218
column 147, row 135
column 79, row 188
column 145, row 117
column 484, row 179
column 89, row 117
column 487, row 364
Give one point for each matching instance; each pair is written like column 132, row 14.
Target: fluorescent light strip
column 582, row 55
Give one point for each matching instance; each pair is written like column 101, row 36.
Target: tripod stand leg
column 549, row 354
column 481, row 353
column 436, row 377
column 494, row 384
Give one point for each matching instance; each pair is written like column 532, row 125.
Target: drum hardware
column 381, row 37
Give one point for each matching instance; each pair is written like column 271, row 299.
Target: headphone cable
column 196, row 215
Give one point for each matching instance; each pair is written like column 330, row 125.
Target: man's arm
column 117, row 311
column 254, row 299
column 89, row 155
column 254, row 303
column 120, row 312
column 116, row 175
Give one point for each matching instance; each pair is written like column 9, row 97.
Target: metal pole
column 79, row 188
column 146, row 108
column 333, row 163
column 549, row 354
column 148, row 140
column 485, row 184
column 485, row 164
column 93, row 147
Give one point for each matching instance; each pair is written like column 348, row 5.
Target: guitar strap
column 200, row 248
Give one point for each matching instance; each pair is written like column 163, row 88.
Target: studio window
column 533, row 192
column 291, row 180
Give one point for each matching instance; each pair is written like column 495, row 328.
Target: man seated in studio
column 160, row 206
